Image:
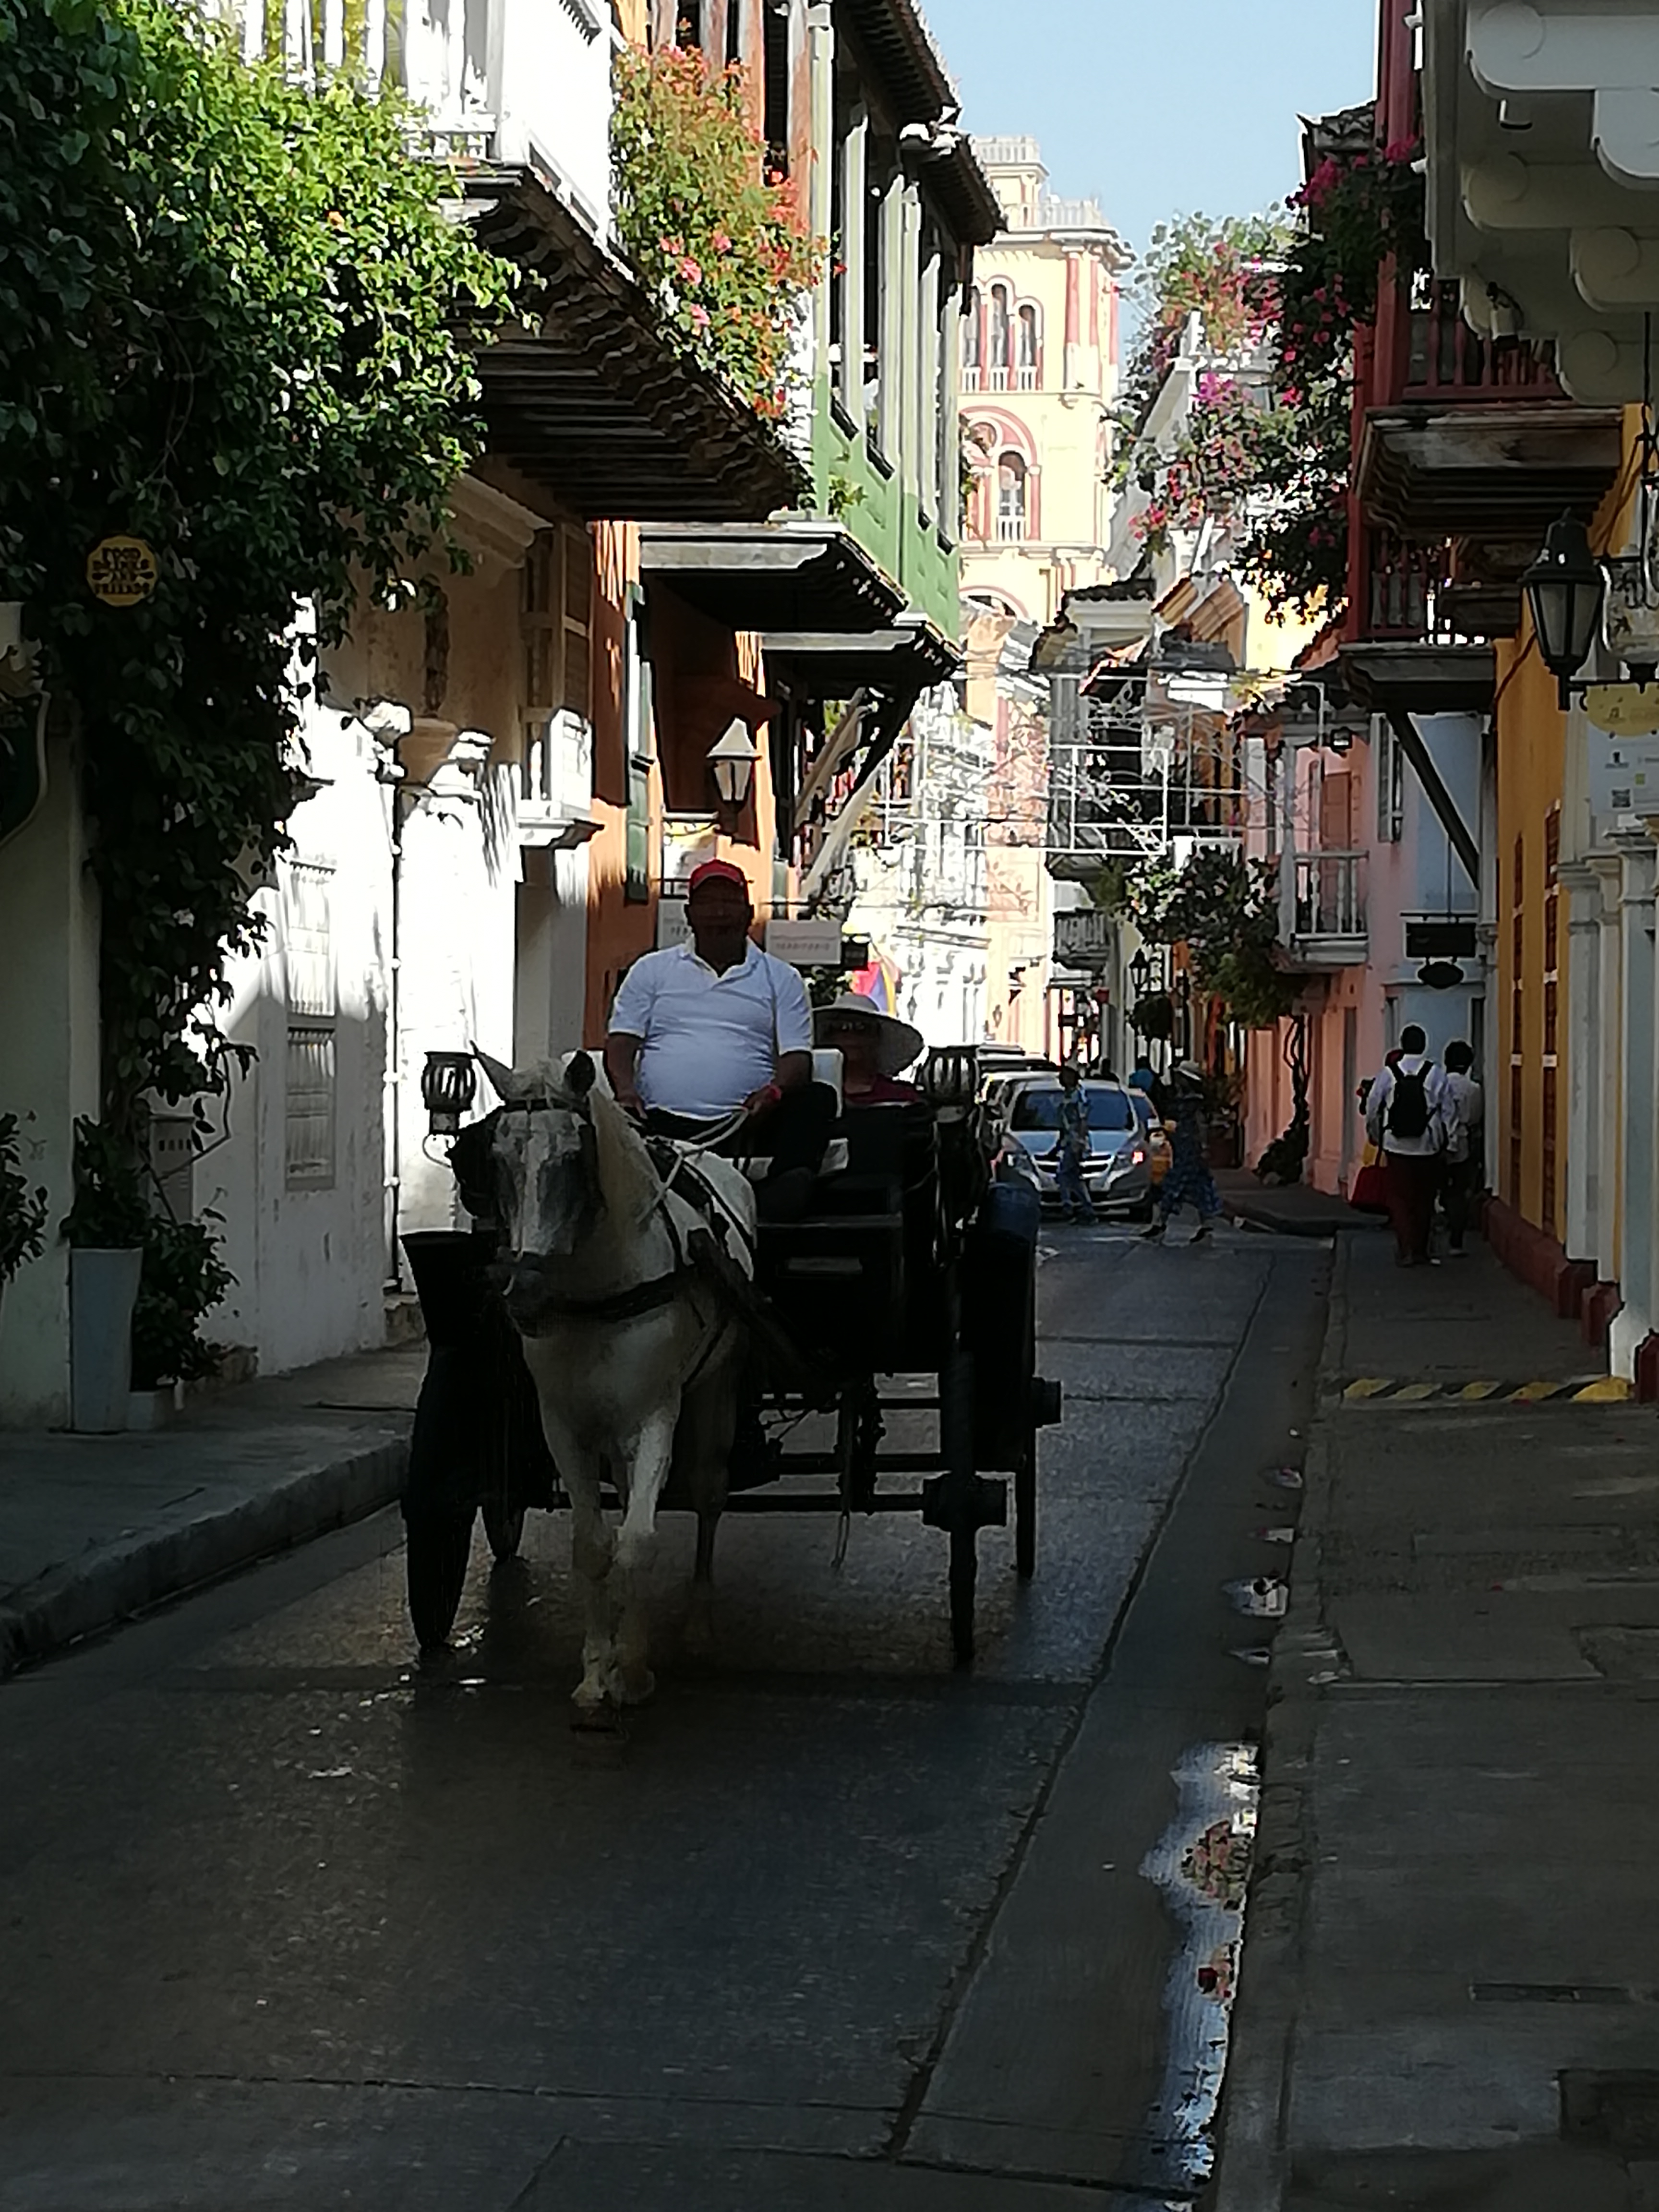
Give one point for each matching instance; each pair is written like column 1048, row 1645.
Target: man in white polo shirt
column 701, row 1030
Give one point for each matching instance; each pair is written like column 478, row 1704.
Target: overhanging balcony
column 1327, row 926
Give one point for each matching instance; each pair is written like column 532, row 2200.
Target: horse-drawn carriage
column 913, row 1259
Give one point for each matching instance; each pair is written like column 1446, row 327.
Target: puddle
column 1202, row 1865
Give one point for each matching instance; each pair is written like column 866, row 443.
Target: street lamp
column 1141, row 972
column 732, row 761
column 1565, row 587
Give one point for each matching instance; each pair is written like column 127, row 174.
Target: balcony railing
column 1328, row 927
column 1427, row 355
column 556, row 781
column 1399, row 585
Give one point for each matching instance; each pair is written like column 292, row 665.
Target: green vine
column 239, row 328
column 1222, row 909
column 720, row 246
column 22, row 1210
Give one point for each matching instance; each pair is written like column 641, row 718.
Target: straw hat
column 898, row 1045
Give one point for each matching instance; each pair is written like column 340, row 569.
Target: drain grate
column 1619, row 2111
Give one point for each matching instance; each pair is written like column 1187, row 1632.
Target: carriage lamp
column 1565, row 586
column 1141, row 973
column 449, row 1082
column 731, row 763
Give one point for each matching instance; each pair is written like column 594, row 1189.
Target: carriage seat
column 826, row 1069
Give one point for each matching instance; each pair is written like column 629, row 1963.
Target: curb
column 129, row 1577
column 1251, row 2169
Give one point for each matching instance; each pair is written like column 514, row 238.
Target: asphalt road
column 292, row 1922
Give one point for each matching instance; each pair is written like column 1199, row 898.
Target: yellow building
column 1039, row 380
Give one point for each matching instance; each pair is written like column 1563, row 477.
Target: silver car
column 1117, row 1175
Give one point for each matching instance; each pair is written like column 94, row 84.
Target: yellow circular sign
column 121, row 571
column 1624, row 710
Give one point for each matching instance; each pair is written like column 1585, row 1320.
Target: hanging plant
column 716, row 238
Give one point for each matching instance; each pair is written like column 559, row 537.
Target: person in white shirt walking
column 1464, row 1165
column 701, row 1031
column 1406, row 1117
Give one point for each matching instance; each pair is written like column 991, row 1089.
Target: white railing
column 997, row 379
column 970, row 376
column 1010, row 528
column 1330, row 895
column 555, row 774
column 1026, row 376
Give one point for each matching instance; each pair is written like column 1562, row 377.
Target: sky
column 1158, row 107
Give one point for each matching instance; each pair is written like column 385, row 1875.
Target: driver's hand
column 631, row 1104
column 762, row 1102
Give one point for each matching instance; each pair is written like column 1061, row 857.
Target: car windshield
column 1039, row 1108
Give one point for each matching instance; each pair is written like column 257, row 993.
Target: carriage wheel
column 1025, row 1510
column 957, row 1450
column 504, row 1526
column 1025, row 1471
column 437, row 1543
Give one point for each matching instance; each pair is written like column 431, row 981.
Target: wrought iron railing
column 1330, row 895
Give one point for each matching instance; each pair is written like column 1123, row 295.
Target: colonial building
column 1039, row 384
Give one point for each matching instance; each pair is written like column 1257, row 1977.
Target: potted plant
column 106, row 1227
column 22, row 1210
column 183, row 1278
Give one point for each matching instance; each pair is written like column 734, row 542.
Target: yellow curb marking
column 1414, row 1393
column 1476, row 1390
column 1610, row 1390
column 1533, row 1393
column 1367, row 1386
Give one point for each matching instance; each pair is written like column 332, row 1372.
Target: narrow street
column 292, row 1921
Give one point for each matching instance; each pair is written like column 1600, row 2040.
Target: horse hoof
column 595, row 1717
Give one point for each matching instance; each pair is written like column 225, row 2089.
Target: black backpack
column 1408, row 1109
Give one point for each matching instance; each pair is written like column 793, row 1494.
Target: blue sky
column 1159, row 106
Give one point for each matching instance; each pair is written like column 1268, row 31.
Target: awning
column 598, row 404
column 1407, row 676
column 909, row 656
column 790, row 577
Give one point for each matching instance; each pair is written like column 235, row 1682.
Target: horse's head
column 545, row 1157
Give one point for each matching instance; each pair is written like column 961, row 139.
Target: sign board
column 121, row 571
column 1624, row 710
column 805, row 944
column 1624, row 774
column 672, row 925
column 1083, row 936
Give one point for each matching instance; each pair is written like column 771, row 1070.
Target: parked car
column 1159, row 1154
column 1117, row 1174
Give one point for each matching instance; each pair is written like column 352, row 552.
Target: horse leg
column 593, row 1551
column 710, row 1421
column 636, row 1540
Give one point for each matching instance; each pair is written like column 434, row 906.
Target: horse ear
column 578, row 1072
column 501, row 1081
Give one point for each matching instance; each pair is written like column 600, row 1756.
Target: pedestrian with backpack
column 1405, row 1113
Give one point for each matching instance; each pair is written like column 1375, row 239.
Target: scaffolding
column 1145, row 765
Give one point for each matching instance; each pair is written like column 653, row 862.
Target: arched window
column 1028, row 359
column 970, row 360
column 1011, row 490
column 1000, row 338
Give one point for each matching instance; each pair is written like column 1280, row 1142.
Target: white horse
column 635, row 1356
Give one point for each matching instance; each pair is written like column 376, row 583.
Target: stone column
column 1607, row 1072
column 1582, row 1051
column 1639, row 1103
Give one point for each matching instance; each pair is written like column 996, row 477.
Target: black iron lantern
column 449, row 1082
column 1141, row 972
column 1565, row 588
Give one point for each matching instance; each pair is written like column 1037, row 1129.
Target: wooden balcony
column 1327, row 925
column 1463, row 437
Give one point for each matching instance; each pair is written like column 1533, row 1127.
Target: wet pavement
column 292, row 1921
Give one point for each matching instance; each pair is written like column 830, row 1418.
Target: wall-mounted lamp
column 732, row 762
column 449, row 1082
column 1564, row 588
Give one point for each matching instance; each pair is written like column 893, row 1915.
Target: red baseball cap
column 717, row 871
